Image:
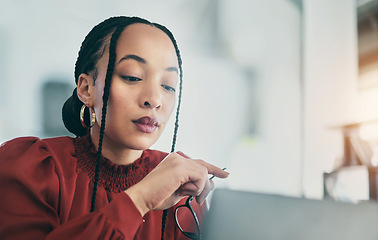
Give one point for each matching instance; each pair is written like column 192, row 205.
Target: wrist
column 138, row 200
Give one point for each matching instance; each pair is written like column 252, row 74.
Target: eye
column 131, row 79
column 168, row 88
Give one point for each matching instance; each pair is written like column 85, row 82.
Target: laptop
column 235, row 215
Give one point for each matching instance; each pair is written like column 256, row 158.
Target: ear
column 85, row 89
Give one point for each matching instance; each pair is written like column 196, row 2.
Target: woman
column 106, row 183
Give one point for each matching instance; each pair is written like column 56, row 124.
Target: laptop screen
column 246, row 215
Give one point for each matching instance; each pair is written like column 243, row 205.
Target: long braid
column 93, row 41
column 170, row 35
column 105, row 97
column 179, row 98
column 119, row 23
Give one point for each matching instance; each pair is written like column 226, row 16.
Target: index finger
column 211, row 178
column 214, row 170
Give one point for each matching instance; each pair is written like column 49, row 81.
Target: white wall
column 282, row 158
column 265, row 36
column 331, row 91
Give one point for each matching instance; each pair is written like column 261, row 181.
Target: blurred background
column 281, row 92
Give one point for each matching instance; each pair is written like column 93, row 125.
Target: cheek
column 123, row 102
column 170, row 106
column 120, row 101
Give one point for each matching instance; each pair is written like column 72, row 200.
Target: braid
column 90, row 52
column 105, row 97
column 179, row 98
column 93, row 45
column 170, row 35
column 163, row 221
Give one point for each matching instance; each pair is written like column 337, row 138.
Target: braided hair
column 91, row 50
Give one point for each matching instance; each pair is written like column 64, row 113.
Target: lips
column 146, row 124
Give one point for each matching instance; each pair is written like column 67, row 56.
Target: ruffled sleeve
column 37, row 190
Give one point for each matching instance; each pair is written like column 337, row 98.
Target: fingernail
column 223, row 169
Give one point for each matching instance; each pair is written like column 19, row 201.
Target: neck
column 117, row 154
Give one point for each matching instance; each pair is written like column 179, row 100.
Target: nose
column 150, row 97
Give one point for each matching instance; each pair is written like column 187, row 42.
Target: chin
column 142, row 144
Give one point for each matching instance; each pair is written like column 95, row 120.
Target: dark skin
column 143, row 84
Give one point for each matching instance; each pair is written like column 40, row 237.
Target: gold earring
column 93, row 117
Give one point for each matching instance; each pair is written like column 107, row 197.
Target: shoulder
column 31, row 164
column 34, row 145
column 32, row 173
column 25, row 152
column 13, row 145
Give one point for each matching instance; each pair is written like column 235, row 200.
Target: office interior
column 284, row 93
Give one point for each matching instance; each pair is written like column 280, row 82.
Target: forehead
column 148, row 42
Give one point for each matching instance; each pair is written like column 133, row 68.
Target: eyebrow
column 135, row 57
column 142, row 60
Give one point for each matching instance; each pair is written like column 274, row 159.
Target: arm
column 31, row 202
column 118, row 220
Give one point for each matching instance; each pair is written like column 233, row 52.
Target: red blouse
column 46, row 187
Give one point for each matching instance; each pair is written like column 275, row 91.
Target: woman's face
column 142, row 93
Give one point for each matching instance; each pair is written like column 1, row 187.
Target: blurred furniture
column 356, row 177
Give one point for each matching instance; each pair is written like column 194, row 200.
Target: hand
column 175, row 177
